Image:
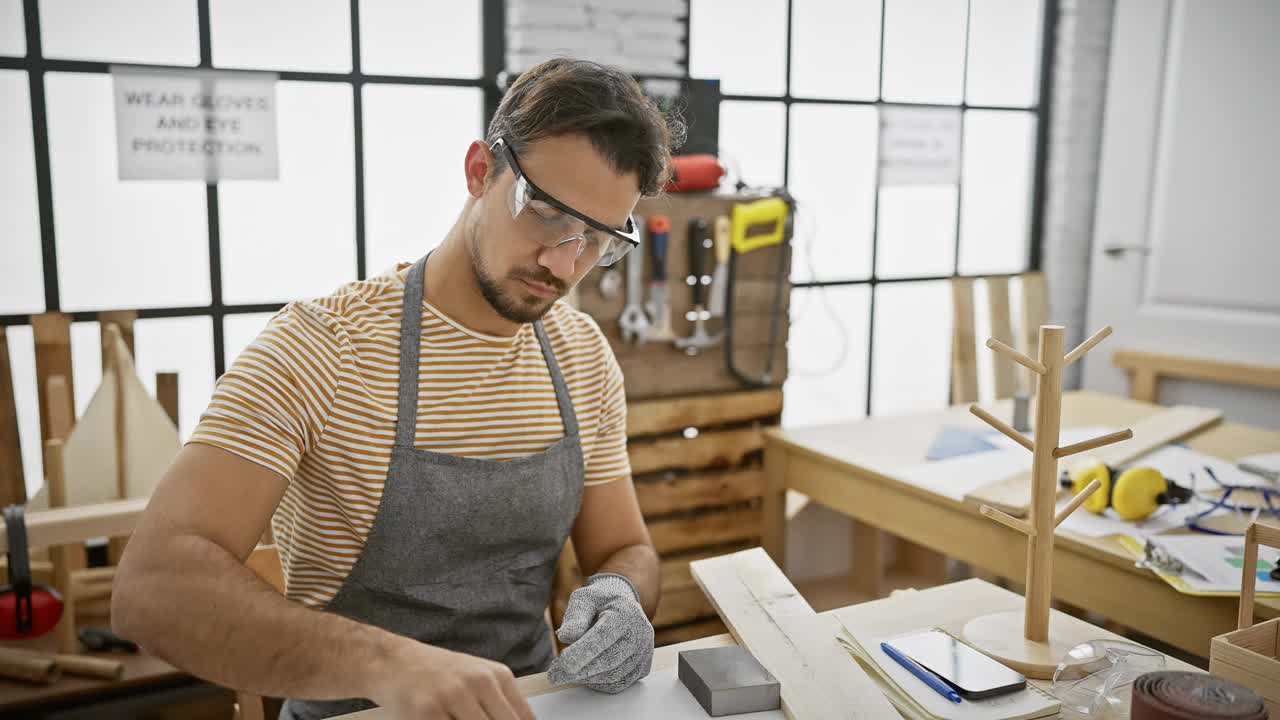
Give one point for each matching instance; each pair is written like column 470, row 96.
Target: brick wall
column 1075, row 135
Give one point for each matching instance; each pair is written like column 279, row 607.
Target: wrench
column 635, row 324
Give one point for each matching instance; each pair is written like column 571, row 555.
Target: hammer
column 699, row 244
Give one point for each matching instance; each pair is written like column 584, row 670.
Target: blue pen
column 929, row 678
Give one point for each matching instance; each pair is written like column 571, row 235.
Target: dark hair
column 565, row 95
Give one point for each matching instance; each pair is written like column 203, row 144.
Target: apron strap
column 410, row 350
column 567, row 415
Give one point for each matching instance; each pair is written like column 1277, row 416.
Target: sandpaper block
column 728, row 681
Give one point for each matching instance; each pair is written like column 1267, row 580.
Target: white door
column 1186, row 255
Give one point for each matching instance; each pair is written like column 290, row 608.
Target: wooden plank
column 682, row 606
column 13, row 484
column 654, row 417
column 773, row 504
column 1145, row 386
column 1013, row 494
column 60, row 424
column 123, row 320
column 62, row 555
column 715, row 449
column 705, row 530
column 663, row 372
column 46, row 528
column 167, row 394
column 52, row 333
column 663, row 495
column 964, row 358
column 688, row 631
column 1034, row 311
column 1002, row 330
column 674, row 569
column 769, row 617
column 1198, row 368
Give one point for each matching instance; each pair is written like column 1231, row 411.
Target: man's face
column 518, row 275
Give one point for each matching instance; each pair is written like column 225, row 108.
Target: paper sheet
column 1218, row 560
column 916, row 699
column 661, row 695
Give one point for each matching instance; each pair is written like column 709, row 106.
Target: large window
column 808, row 85
column 376, row 101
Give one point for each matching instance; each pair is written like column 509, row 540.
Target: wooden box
column 1251, row 654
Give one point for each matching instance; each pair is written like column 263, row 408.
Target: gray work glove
column 609, row 638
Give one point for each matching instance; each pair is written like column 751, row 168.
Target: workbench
column 850, row 467
column 945, row 605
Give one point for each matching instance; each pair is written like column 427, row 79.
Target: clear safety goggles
column 1093, row 677
column 553, row 223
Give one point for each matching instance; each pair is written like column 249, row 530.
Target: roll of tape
column 1169, row 695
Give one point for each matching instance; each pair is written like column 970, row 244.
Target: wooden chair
column 1146, row 369
column 920, row 563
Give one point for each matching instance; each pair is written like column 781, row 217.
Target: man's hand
column 610, row 639
column 422, row 682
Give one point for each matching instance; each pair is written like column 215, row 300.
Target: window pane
column 86, row 362
column 164, row 32
column 22, row 364
column 183, row 345
column 835, row 185
column 238, row 331
column 917, row 231
column 401, row 37
column 1004, row 52
column 415, row 139
column 995, row 217
column 120, row 244
column 21, row 264
column 911, row 363
column 282, row 34
column 924, row 50
column 827, row 355
column 835, row 49
column 13, row 36
column 749, row 57
column 751, row 140
column 305, row 221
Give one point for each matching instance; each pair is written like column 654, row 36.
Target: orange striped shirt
column 314, row 399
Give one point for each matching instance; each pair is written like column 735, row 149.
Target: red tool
column 694, row 173
column 26, row 610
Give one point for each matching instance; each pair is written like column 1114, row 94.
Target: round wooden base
column 1000, row 636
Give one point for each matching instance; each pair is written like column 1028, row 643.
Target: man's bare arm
column 610, row 536
column 183, row 593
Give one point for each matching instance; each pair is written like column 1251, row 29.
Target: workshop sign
column 919, row 146
column 195, row 124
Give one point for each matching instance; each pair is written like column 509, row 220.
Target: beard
column 517, row 307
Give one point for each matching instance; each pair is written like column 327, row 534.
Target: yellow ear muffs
column 1138, row 492
column 1085, row 472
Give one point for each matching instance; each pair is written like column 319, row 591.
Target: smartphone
column 972, row 674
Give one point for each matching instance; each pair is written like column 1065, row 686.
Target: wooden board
column 1013, row 494
column 123, row 320
column 52, row 334
column 768, row 616
column 1002, row 330
column 682, row 606
column 674, row 493
column 655, row 417
column 13, row 486
column 60, row 526
column 964, row 353
column 149, row 444
column 663, row 372
column 715, row 449
column 1034, row 311
column 704, row 530
column 1146, row 369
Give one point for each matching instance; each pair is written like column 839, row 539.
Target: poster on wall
column 195, row 124
column 919, row 146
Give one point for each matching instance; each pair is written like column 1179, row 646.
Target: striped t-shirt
column 314, row 399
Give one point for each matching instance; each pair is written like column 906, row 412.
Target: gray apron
column 462, row 550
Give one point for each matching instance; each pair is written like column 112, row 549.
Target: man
column 423, row 442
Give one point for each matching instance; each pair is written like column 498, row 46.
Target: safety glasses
column 553, row 223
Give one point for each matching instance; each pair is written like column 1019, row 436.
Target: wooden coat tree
column 1037, row 651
